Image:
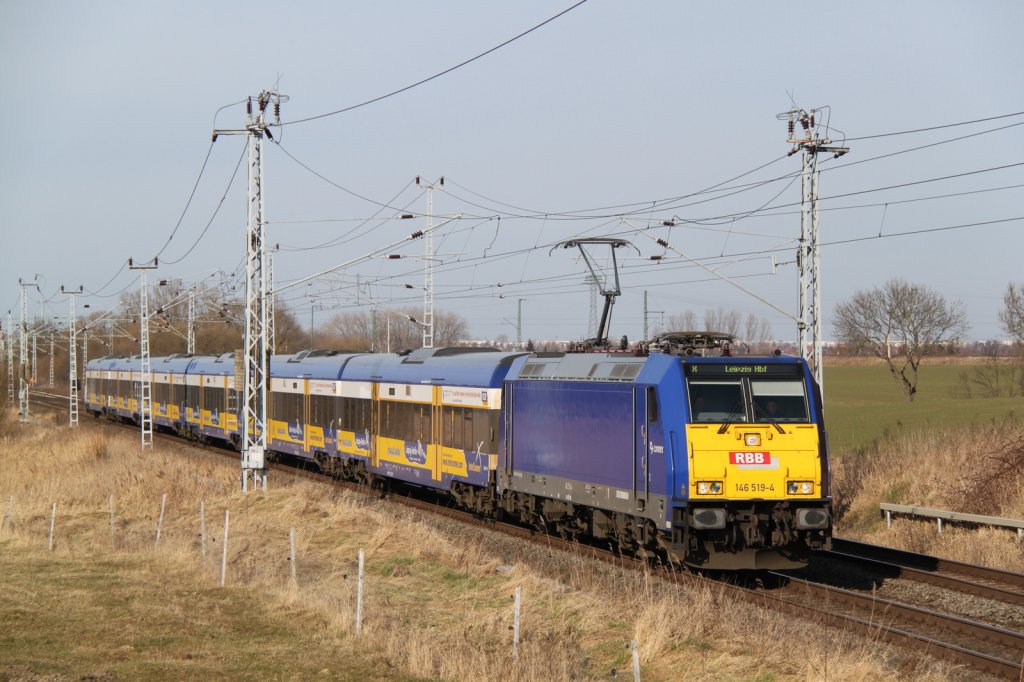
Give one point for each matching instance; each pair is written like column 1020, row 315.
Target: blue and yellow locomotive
column 716, row 462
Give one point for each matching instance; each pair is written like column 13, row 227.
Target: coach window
column 192, row 396
column 213, row 398
column 467, row 429
column 424, row 417
column 160, row 391
column 484, row 422
column 320, row 408
column 178, row 391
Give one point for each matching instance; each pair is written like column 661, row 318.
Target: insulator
column 267, row 130
column 277, row 108
column 812, row 120
column 417, row 181
column 656, row 257
column 668, row 223
column 408, row 286
column 407, row 216
column 263, row 104
column 442, row 181
column 662, row 242
column 248, row 106
column 416, row 234
column 394, row 256
column 213, row 138
column 804, row 122
column 792, row 127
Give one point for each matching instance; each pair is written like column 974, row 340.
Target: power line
column 442, row 73
column 215, row 212
column 336, row 185
column 341, row 239
column 660, row 203
column 724, row 218
column 97, row 292
column 938, row 127
column 187, row 203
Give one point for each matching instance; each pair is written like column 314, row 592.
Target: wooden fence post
column 515, row 623
column 160, row 521
column 202, row 530
column 113, row 545
column 291, row 556
column 224, row 555
column 359, row 595
column 53, row 517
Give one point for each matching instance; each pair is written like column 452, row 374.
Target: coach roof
column 448, row 366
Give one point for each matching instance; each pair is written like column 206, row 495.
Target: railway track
column 995, row 650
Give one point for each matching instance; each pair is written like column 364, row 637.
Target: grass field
column 863, row 403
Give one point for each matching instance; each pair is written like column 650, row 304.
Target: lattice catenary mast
column 190, row 338
column 10, row 360
column 72, row 358
column 428, row 265
column 23, row 373
column 146, row 377
column 808, row 257
column 256, row 358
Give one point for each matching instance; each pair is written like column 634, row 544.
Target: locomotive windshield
column 747, row 400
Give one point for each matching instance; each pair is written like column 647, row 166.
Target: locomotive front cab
column 758, row 487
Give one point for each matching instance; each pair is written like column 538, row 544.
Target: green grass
column 862, row 403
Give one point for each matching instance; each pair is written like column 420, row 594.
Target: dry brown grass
column 977, row 469
column 438, row 595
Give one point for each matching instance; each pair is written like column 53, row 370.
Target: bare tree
column 900, row 323
column 722, row 320
column 1012, row 316
column 756, row 331
column 401, row 329
column 685, row 321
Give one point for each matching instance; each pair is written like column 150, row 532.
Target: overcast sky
column 108, row 109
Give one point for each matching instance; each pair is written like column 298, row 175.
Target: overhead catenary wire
column 935, row 127
column 440, row 74
column 216, row 210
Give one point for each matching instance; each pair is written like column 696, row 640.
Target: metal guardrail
column 941, row 515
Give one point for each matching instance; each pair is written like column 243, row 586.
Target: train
column 678, row 451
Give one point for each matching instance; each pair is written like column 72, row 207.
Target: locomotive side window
column 782, row 401
column 717, row 401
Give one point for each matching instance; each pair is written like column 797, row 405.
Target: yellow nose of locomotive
column 747, row 461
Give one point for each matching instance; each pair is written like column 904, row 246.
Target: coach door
column 374, row 423
column 642, row 399
column 307, row 417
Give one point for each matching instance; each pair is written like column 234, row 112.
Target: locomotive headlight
column 709, row 487
column 800, row 487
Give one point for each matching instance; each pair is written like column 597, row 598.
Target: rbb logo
column 750, row 458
